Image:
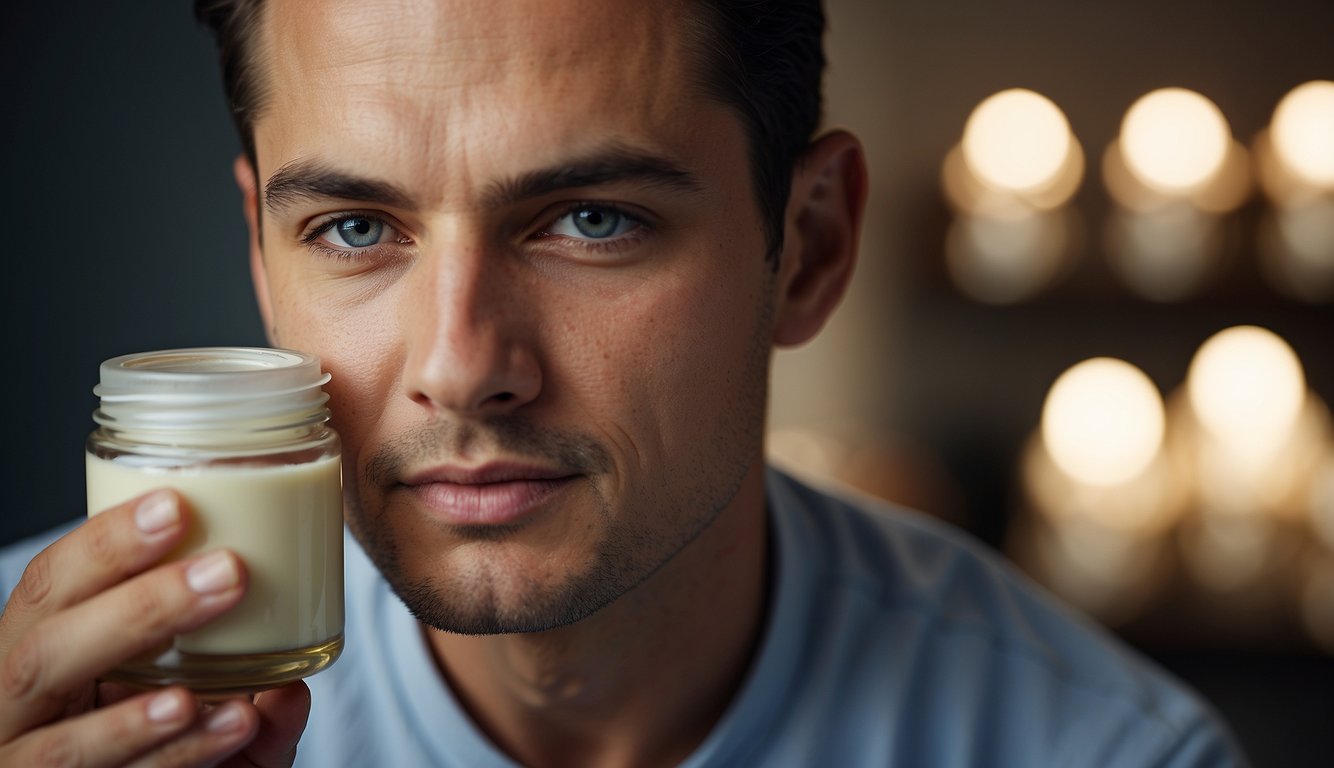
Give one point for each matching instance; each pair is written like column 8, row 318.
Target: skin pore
column 529, row 252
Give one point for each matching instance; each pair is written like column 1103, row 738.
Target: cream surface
column 285, row 522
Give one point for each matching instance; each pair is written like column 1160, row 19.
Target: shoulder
column 971, row 647
column 898, row 562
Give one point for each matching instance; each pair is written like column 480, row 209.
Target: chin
column 491, row 600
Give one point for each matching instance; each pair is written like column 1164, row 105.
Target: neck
column 640, row 682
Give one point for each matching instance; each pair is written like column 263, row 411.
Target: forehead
column 478, row 37
column 397, row 76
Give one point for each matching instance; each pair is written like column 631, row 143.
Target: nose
column 469, row 344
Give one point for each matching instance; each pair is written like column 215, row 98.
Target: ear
column 822, row 226
column 248, row 183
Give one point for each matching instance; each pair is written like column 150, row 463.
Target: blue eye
column 593, row 222
column 357, row 231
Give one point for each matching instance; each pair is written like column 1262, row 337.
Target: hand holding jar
column 210, row 567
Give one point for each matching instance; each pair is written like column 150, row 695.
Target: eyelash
column 313, row 238
column 620, row 242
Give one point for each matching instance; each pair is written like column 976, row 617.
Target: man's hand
column 94, row 599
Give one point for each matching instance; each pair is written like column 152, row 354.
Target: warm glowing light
column 1280, row 183
column 1247, row 387
column 1226, row 554
column 1303, row 132
column 1103, row 421
column 1308, row 230
column 967, row 193
column 1017, row 140
column 1231, row 186
column 1146, row 507
column 1225, row 191
column 1174, row 140
column 806, row 451
column 1317, row 602
column 1322, row 501
column 1296, row 245
column 1002, row 260
column 1109, row 573
column 1166, row 253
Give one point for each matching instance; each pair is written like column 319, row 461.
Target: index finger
column 107, row 549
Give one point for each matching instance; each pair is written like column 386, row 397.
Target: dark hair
column 764, row 58
column 235, row 24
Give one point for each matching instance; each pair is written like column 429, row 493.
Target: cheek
column 354, row 345
column 672, row 360
column 354, row 402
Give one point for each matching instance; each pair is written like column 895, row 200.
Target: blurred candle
column 1006, row 259
column 1227, row 554
column 1102, row 421
column 1174, row 140
column 1247, row 388
column 1164, row 254
column 1296, row 246
column 1322, row 501
column 1017, row 140
column 1303, row 132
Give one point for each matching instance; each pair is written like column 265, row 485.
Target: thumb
column 282, row 719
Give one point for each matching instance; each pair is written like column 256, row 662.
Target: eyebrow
column 615, row 164
column 306, row 180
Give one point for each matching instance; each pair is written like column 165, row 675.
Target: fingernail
column 156, row 512
column 165, row 707
column 224, row 719
column 213, row 573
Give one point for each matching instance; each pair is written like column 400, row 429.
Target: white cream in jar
column 241, row 433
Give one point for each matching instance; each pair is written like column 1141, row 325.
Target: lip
column 491, row 494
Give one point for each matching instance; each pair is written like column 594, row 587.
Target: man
column 545, row 250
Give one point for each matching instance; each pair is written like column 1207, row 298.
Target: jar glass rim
column 208, row 373
column 234, row 389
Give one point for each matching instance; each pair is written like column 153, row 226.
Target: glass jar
column 242, row 434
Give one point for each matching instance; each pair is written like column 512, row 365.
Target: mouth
column 491, row 494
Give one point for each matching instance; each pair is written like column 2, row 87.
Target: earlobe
column 248, row 183
column 821, row 232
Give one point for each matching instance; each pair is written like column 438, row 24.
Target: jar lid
column 190, row 388
column 208, row 373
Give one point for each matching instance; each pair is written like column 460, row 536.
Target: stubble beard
column 468, row 600
column 470, row 603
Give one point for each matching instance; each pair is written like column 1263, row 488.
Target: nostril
column 486, row 384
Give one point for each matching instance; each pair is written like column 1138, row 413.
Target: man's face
column 529, row 253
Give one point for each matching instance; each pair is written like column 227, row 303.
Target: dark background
column 126, row 235
column 127, row 230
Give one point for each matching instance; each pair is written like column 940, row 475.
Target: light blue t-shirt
column 892, row 640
